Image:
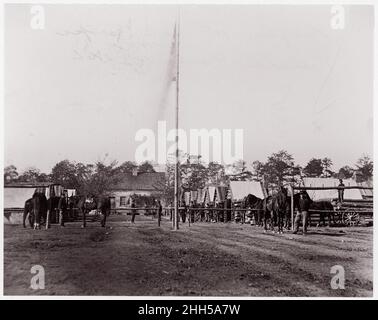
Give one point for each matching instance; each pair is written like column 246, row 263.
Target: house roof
column 26, row 184
column 146, row 181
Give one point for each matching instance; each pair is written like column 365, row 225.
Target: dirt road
column 211, row 259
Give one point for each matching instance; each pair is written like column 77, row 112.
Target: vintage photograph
column 186, row 150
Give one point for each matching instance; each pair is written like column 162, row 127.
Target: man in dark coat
column 62, row 208
column 133, row 212
column 304, row 203
column 160, row 211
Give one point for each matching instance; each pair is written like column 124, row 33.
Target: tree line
column 86, row 178
column 279, row 168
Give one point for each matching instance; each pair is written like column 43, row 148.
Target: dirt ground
column 211, row 259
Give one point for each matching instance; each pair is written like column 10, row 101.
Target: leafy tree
column 327, row 165
column 314, row 168
column 10, row 173
column 193, row 174
column 258, row 170
column 146, row 167
column 240, row 171
column 31, row 174
column 296, row 174
column 364, row 169
column 216, row 173
column 345, row 172
column 66, row 174
column 101, row 180
column 278, row 168
column 126, row 167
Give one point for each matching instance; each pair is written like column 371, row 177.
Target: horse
column 86, row 204
column 327, row 206
column 39, row 202
column 275, row 208
column 257, row 205
column 28, row 212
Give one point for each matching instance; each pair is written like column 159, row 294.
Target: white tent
column 240, row 189
column 71, row 192
column 352, row 194
column 211, row 193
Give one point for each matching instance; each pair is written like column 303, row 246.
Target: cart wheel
column 351, row 218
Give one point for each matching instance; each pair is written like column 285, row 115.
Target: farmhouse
column 142, row 185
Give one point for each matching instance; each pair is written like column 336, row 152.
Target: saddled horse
column 85, row 205
column 256, row 205
column 101, row 204
column 275, row 208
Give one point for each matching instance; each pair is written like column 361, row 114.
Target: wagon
column 353, row 212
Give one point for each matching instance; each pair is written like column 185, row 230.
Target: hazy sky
column 82, row 87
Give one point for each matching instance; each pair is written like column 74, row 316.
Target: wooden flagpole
column 176, row 218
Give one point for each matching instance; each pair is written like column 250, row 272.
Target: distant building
column 137, row 185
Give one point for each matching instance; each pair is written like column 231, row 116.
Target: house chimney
column 135, row 171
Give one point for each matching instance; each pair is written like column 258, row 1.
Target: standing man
column 62, row 208
column 341, row 191
column 160, row 210
column 303, row 208
column 133, row 211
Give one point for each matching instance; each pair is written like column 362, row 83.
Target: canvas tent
column 71, row 192
column 211, row 193
column 193, row 195
column 240, row 189
column 220, row 193
column 351, row 194
column 366, row 193
column 201, row 195
column 187, row 197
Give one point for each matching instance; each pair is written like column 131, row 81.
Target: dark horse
column 256, row 205
column 326, row 206
column 39, row 202
column 87, row 204
column 275, row 208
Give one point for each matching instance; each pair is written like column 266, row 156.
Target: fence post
column 292, row 207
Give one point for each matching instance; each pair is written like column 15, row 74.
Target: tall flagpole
column 176, row 218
